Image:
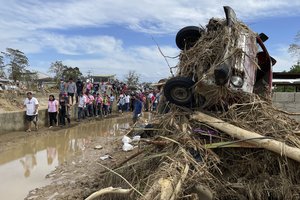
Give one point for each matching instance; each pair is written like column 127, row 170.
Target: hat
column 29, row 92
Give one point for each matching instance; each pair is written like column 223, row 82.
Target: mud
column 27, row 159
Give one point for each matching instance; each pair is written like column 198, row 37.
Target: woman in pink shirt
column 52, row 110
column 91, row 105
column 99, row 105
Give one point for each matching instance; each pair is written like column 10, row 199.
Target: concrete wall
column 15, row 121
column 288, row 101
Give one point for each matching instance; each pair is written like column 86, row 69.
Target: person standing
column 127, row 102
column 89, row 86
column 111, row 99
column 103, row 87
column 63, row 109
column 96, row 86
column 99, row 105
column 79, row 88
column 81, row 106
column 121, row 103
column 71, row 89
column 32, row 105
column 90, row 105
column 138, row 106
column 62, row 86
column 52, row 110
column 105, row 105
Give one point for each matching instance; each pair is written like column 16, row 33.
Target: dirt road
column 26, row 159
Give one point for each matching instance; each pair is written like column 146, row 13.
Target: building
column 286, row 81
column 103, row 78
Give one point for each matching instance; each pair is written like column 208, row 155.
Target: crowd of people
column 91, row 100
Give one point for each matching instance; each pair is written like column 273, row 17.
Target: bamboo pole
column 109, row 190
column 260, row 141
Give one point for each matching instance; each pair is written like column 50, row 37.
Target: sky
column 115, row 36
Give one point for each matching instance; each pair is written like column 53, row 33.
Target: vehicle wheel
column 188, row 36
column 178, row 90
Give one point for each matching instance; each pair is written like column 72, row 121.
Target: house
column 103, row 78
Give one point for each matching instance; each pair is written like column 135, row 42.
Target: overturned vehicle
column 223, row 58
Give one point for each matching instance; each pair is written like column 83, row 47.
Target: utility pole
column 89, row 73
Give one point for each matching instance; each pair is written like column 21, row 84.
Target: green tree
column 57, row 68
column 132, row 79
column 17, row 62
column 295, row 68
column 71, row 72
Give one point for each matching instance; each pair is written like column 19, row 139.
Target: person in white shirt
column 121, row 103
column 81, row 106
column 32, row 105
column 111, row 99
column 127, row 102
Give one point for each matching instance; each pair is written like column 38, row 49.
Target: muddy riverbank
column 67, row 158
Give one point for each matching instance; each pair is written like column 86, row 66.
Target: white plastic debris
column 136, row 138
column 98, row 147
column 127, row 147
column 126, row 139
column 105, row 157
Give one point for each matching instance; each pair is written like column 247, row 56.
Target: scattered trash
column 106, row 156
column 127, row 147
column 136, row 138
column 98, row 147
column 126, row 139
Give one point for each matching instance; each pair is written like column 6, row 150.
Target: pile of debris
column 242, row 148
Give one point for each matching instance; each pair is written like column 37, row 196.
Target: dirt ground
column 76, row 178
column 79, row 177
column 11, row 100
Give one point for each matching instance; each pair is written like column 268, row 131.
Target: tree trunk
column 236, row 132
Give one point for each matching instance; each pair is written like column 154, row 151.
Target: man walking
column 32, row 105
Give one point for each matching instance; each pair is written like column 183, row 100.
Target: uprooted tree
column 237, row 147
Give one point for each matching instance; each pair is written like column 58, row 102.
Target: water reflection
column 62, row 144
column 51, row 155
column 28, row 163
column 26, row 166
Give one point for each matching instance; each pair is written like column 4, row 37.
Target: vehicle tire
column 178, row 90
column 188, row 36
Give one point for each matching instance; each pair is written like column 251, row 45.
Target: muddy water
column 25, row 166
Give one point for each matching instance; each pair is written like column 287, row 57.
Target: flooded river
column 24, row 167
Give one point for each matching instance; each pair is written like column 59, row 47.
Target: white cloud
column 284, row 60
column 146, row 61
column 27, row 25
column 141, row 15
column 80, row 45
